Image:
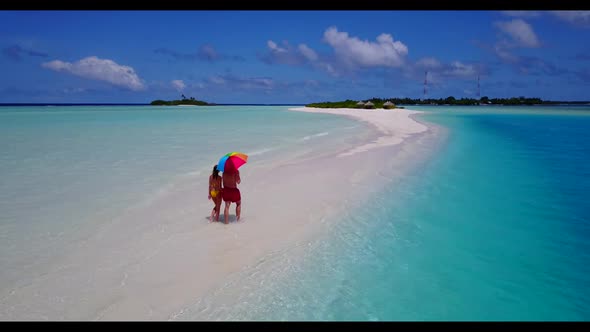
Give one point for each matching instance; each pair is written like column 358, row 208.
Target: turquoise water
column 495, row 227
column 67, row 170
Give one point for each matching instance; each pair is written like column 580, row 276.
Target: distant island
column 371, row 103
column 184, row 101
column 392, row 102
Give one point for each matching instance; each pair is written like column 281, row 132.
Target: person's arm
column 210, row 187
column 238, row 180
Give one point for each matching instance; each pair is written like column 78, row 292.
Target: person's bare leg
column 226, row 212
column 212, row 215
column 217, row 209
column 238, row 210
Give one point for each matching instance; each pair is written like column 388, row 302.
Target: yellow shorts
column 214, row 193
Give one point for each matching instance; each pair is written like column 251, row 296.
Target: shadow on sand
column 232, row 218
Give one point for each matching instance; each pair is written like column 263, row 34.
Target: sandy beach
column 393, row 125
column 158, row 259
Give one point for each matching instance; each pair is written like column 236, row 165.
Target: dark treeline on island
column 380, row 102
column 183, row 101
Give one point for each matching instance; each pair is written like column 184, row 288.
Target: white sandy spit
column 394, row 125
column 158, row 259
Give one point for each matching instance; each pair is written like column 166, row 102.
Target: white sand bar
column 395, row 125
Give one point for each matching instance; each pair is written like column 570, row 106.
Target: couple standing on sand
column 229, row 192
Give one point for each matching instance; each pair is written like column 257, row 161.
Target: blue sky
column 291, row 56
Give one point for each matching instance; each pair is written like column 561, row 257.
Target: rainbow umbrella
column 232, row 161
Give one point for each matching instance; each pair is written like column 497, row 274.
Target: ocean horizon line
column 134, row 104
column 556, row 103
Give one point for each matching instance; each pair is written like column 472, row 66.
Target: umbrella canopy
column 232, row 161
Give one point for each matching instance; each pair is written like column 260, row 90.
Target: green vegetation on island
column 183, row 101
column 380, row 102
column 371, row 103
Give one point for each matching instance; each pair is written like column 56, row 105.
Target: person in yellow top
column 215, row 193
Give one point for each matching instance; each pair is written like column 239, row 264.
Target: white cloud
column 575, row 17
column 287, row 54
column 255, row 82
column 519, row 31
column 274, row 47
column 208, row 52
column 98, row 69
column 307, row 52
column 505, row 55
column 521, row 13
column 428, row 63
column 329, row 68
column 439, row 72
column 385, row 52
column 178, row 85
column 231, row 82
column 350, row 53
column 461, row 70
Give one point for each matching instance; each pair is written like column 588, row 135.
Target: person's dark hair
column 215, row 172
